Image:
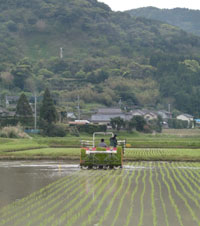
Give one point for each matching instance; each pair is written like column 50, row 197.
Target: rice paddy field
column 140, row 194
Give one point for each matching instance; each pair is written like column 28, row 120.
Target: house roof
column 109, row 111
column 137, row 112
column 12, row 98
column 104, row 117
column 186, row 115
column 3, row 110
column 108, row 117
column 143, row 112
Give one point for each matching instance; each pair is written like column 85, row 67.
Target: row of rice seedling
column 130, row 180
column 27, row 207
column 133, row 198
column 181, row 176
column 193, row 176
column 181, row 197
column 163, row 204
column 173, row 203
column 142, row 200
column 72, row 201
column 22, row 205
column 153, row 199
column 48, row 210
column 105, row 195
column 83, row 205
column 114, row 197
column 148, row 153
column 156, row 193
column 162, row 154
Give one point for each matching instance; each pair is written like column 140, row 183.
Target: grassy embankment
column 179, row 145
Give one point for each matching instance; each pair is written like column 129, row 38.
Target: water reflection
column 21, row 178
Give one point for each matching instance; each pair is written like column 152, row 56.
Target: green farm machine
column 98, row 157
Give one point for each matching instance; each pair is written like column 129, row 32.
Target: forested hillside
column 186, row 19
column 107, row 56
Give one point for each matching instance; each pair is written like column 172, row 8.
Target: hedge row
column 91, row 128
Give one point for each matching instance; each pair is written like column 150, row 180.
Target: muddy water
column 21, row 178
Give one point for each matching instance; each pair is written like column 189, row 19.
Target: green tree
column 117, row 123
column 156, row 124
column 139, row 123
column 23, row 111
column 22, row 72
column 48, row 111
column 131, row 124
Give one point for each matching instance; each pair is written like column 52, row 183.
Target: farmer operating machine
column 101, row 157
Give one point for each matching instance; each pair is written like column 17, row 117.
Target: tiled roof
column 186, row 115
column 108, row 117
column 109, row 111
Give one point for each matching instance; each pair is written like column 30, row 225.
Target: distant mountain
column 107, row 56
column 186, row 19
column 38, row 28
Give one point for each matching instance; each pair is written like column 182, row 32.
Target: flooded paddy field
column 142, row 194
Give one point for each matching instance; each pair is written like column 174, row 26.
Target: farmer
column 113, row 141
column 102, row 144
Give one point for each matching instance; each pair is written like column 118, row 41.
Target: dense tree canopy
column 184, row 18
column 48, row 111
column 23, row 111
column 107, row 56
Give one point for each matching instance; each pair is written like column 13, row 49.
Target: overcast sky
column 121, row 5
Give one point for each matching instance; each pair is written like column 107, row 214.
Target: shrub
column 147, row 129
column 155, row 125
column 89, row 128
column 54, row 130
column 13, row 132
column 177, row 124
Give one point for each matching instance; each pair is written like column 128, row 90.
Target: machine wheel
column 95, row 167
column 106, row 167
column 85, row 167
column 116, row 167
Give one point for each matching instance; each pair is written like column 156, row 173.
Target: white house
column 150, row 116
column 147, row 114
column 185, row 117
column 188, row 118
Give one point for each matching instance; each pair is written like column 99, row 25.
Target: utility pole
column 7, row 102
column 169, row 108
column 78, row 107
column 35, row 108
column 61, row 52
column 120, row 102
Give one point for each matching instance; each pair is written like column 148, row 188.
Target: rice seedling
column 168, row 191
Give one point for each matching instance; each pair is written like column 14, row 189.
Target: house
column 166, row 115
column 185, row 117
column 147, row 114
column 71, row 115
column 150, row 116
column 104, row 115
column 5, row 113
column 11, row 100
column 137, row 112
column 188, row 118
column 79, row 122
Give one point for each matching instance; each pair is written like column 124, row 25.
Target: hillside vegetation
column 186, row 19
column 107, row 56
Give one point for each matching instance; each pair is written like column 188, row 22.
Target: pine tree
column 23, row 111
column 48, row 111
